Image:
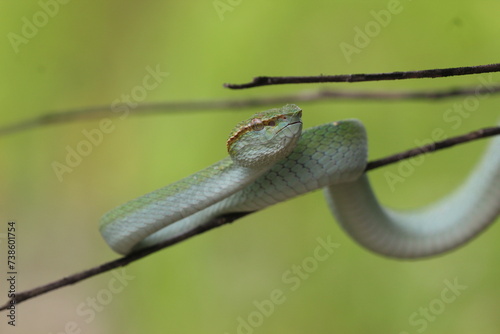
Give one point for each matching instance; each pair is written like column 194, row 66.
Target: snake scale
column 272, row 160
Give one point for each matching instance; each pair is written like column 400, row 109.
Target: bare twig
column 72, row 279
column 96, row 112
column 478, row 134
column 435, row 73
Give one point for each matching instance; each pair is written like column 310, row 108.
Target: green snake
column 271, row 161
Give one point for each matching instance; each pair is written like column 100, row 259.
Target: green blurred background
column 87, row 54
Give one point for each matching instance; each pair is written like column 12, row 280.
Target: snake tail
column 434, row 229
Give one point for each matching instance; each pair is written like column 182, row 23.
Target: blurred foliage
column 57, row 56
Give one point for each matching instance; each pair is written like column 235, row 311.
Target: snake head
column 266, row 137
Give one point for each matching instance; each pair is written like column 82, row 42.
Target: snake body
column 331, row 156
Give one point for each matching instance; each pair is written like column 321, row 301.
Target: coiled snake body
column 272, row 162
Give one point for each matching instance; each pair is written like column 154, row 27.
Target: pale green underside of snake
column 332, row 157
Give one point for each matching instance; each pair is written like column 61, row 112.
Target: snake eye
column 271, row 123
column 256, row 124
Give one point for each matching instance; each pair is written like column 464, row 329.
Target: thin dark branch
column 96, row 112
column 435, row 73
column 72, row 279
column 478, row 134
